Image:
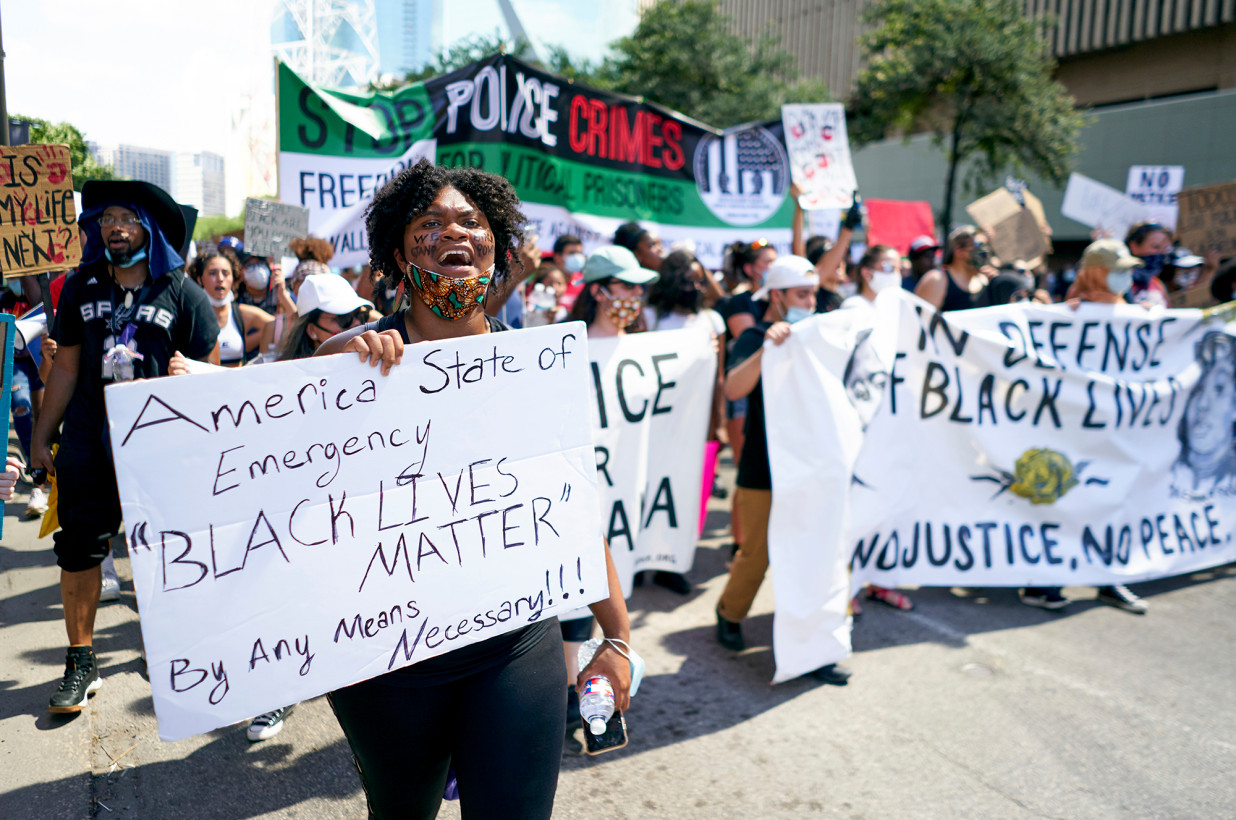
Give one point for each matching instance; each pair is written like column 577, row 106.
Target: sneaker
column 891, row 597
column 1048, row 598
column 37, row 505
column 268, row 725
column 110, row 590
column 81, row 677
column 729, row 634
column 1122, row 597
column 831, row 674
column 673, row 581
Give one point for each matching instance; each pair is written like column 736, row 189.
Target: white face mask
column 884, row 280
column 573, row 263
column 257, row 276
column 1119, row 283
column 224, row 302
column 847, row 289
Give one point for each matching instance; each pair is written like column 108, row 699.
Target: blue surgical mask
column 1119, row 283
column 574, row 262
column 794, row 313
column 133, row 260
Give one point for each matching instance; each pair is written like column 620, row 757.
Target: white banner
column 1156, row 187
column 652, row 396
column 336, row 190
column 1012, row 446
column 819, row 148
column 306, row 525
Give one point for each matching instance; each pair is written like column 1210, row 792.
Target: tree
column 976, row 74
column 685, row 56
column 84, row 166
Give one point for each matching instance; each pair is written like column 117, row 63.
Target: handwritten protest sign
column 1013, row 230
column 1207, row 219
column 269, row 226
column 819, row 149
column 301, row 526
column 38, row 221
column 1101, row 206
column 1052, row 446
column 1156, row 187
column 651, row 401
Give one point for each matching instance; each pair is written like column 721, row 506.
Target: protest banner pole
column 4, row 104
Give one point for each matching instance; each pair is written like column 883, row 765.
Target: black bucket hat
column 98, row 193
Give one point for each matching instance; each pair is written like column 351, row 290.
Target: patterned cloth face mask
column 622, row 311
column 446, row 296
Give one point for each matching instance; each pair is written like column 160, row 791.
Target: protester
column 147, row 310
column 241, row 327
column 1104, row 273
column 967, row 270
column 1152, row 243
column 262, row 286
column 408, row 727
column 644, row 244
column 790, row 290
column 613, row 294
column 828, row 257
column 313, row 255
column 544, row 301
column 924, row 257
column 326, row 306
column 878, row 270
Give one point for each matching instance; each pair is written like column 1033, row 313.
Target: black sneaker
column 81, row 677
column 1048, row 598
column 831, row 674
column 1123, row 598
column 268, row 725
column 729, row 634
column 673, row 581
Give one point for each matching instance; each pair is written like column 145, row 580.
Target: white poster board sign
column 1101, row 206
column 1156, row 187
column 301, row 526
column 269, row 226
column 819, row 148
column 652, row 395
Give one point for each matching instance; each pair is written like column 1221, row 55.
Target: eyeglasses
column 128, row 221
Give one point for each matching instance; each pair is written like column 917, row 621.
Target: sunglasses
column 347, row 321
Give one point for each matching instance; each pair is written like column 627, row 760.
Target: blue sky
column 132, row 71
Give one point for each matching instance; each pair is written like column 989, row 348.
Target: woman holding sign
column 446, row 234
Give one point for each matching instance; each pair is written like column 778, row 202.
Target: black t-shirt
column 753, row 469
column 459, row 663
column 169, row 314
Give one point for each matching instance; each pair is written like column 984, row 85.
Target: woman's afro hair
column 411, row 193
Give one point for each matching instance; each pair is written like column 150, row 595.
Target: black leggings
column 501, row 729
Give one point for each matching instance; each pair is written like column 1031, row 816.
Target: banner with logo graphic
column 652, row 400
column 583, row 161
column 1012, row 446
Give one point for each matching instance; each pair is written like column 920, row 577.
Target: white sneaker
column 110, row 591
column 268, row 725
column 37, row 504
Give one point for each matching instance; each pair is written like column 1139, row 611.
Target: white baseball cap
column 788, row 272
column 329, row 293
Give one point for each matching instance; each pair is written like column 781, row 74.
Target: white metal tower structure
column 328, row 42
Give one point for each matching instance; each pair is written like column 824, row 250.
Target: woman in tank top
column 240, row 326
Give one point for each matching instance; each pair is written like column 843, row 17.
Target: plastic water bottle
column 596, row 704
column 541, row 302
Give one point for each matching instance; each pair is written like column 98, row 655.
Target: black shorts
column 88, row 505
column 578, row 630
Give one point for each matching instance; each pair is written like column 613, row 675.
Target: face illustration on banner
column 865, row 378
column 1207, row 461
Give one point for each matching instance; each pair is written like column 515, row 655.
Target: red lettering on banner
column 606, row 132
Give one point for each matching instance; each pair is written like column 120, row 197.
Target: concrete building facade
column 152, row 165
column 200, row 182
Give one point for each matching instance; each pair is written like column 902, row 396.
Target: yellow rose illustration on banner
column 1041, row 476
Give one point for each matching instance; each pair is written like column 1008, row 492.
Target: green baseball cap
column 1111, row 254
column 613, row 262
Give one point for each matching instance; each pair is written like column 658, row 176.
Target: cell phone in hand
column 614, row 736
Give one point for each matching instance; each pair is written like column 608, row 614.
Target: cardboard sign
column 1156, row 187
column 1100, row 206
column 300, row 526
column 1013, row 230
column 38, row 220
column 819, row 149
column 1207, row 219
column 269, row 226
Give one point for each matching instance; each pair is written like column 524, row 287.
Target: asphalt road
column 971, row 705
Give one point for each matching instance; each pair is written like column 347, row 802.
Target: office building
column 200, row 182
column 409, row 34
column 151, row 165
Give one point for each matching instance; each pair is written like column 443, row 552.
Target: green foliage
column 685, row 56
column 208, row 227
column 84, row 166
column 976, row 74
